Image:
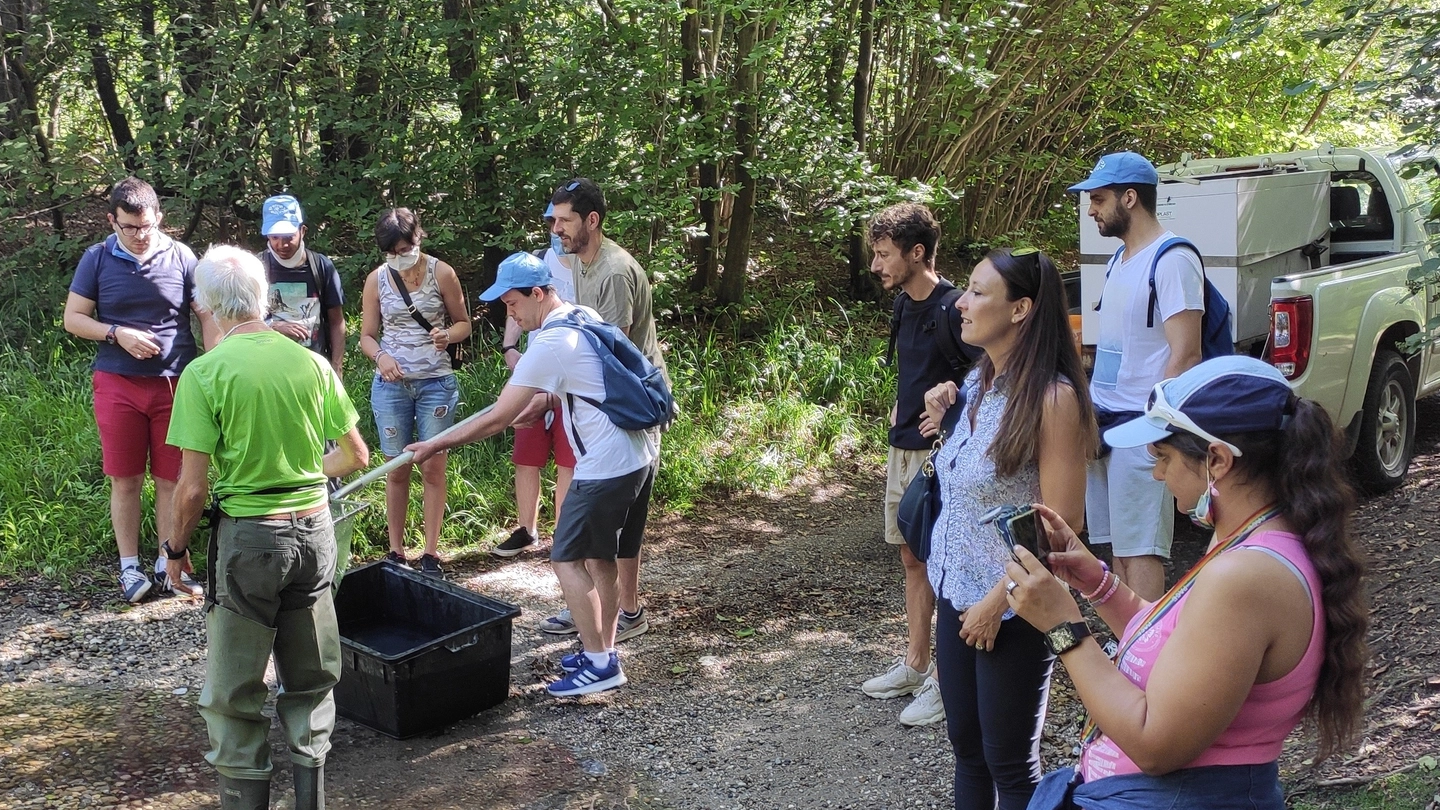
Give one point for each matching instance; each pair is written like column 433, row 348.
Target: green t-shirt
column 616, row 287
column 261, row 406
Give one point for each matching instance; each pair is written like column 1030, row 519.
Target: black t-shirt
column 294, row 297
column 922, row 362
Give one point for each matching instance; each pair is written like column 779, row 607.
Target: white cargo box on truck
column 1249, row 226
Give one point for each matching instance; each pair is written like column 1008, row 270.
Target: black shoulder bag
column 920, row 505
column 454, row 349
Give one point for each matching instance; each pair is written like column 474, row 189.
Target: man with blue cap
column 536, row 443
column 608, row 502
column 306, row 300
column 1124, row 505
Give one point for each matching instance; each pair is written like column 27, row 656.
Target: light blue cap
column 282, row 216
column 550, row 210
column 517, row 271
column 1231, row 394
column 1120, row 168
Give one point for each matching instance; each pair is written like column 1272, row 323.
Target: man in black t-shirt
column 926, row 338
column 306, row 301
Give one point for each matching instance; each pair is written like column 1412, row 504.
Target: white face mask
column 404, row 261
column 298, row 260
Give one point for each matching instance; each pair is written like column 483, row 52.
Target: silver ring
column 1010, row 586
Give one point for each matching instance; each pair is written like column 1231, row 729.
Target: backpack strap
column 1110, row 265
column 948, row 338
column 1165, row 247
column 894, row 328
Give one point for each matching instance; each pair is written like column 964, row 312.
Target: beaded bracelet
column 1114, row 586
column 1104, row 572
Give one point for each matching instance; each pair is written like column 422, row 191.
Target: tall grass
column 759, row 406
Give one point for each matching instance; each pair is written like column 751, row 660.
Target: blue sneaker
column 589, row 679
column 573, row 662
column 134, row 584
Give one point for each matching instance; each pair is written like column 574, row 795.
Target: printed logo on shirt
column 290, row 302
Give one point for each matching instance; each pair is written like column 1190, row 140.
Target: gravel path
column 765, row 613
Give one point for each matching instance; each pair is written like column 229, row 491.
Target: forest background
column 741, row 144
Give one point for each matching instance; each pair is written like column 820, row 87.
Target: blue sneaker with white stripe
column 588, row 679
column 573, row 662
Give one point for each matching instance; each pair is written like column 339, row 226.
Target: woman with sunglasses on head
column 1025, row 434
column 1267, row 629
column 414, row 392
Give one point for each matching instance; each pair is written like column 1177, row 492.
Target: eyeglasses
column 135, row 231
column 1159, row 408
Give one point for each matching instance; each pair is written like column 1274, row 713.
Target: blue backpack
column 636, row 396
column 1215, row 340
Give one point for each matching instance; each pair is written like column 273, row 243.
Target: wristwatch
column 1064, row 636
column 110, row 336
column 508, row 348
column 171, row 553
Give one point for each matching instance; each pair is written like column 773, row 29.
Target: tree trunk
column 746, row 91
column 13, row 20
column 862, row 282
column 109, row 99
column 695, row 75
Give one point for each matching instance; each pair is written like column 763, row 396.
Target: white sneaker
column 900, row 680
column 926, row 708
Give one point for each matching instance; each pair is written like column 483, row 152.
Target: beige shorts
column 900, row 467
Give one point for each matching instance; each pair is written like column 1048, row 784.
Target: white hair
column 231, row 283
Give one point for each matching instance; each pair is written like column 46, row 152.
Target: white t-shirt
column 561, row 361
column 562, row 278
column 1129, row 356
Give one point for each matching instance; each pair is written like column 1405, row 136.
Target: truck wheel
column 1387, row 425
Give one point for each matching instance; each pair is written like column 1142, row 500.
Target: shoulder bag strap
column 399, row 284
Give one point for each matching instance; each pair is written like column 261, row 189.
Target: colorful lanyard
column 1173, row 596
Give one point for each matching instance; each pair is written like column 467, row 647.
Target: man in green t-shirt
column 259, row 407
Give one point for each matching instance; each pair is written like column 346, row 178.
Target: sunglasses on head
column 1159, row 408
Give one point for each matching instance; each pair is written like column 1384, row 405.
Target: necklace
column 238, row 325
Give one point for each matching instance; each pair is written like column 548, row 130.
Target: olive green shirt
column 615, row 286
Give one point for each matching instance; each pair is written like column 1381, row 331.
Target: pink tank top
column 1269, row 713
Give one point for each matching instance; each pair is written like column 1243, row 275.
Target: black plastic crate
column 418, row 653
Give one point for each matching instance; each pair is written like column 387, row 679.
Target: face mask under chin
column 296, row 260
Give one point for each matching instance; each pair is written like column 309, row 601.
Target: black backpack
column 950, row 344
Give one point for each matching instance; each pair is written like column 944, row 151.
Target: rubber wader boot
column 244, row 794
column 234, row 695
column 309, row 788
column 307, row 659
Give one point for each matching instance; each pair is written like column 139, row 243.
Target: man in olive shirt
column 611, row 282
column 259, row 407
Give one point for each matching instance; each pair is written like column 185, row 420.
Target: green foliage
column 1408, row 791
column 757, row 410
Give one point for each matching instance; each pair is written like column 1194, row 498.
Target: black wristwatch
column 171, row 553
column 1065, row 636
column 505, row 349
column 110, row 335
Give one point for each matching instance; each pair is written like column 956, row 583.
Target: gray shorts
column 1126, row 507
column 604, row 518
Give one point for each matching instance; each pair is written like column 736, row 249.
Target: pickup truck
column 1346, row 239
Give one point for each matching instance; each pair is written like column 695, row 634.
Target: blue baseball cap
column 550, row 211
column 1231, row 394
column 517, row 271
column 282, row 216
column 1120, row 168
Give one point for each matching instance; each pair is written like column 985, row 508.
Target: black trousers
column 994, row 710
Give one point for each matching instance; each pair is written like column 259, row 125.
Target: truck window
column 1359, row 210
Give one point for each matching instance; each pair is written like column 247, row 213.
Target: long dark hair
column 1044, row 350
column 1301, row 466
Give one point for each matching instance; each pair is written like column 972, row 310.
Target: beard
column 1117, row 225
column 579, row 243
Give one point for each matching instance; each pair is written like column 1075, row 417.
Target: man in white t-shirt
column 605, row 513
column 1124, row 505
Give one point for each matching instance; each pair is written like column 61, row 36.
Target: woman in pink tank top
column 1266, row 630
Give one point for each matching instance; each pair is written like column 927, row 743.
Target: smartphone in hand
column 1020, row 526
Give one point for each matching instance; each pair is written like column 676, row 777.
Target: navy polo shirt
column 153, row 295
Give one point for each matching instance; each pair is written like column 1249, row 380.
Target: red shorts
column 533, row 444
column 133, row 414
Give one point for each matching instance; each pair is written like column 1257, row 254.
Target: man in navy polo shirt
column 133, row 294
column 306, row 302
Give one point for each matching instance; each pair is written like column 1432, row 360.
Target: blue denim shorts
column 412, row 410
